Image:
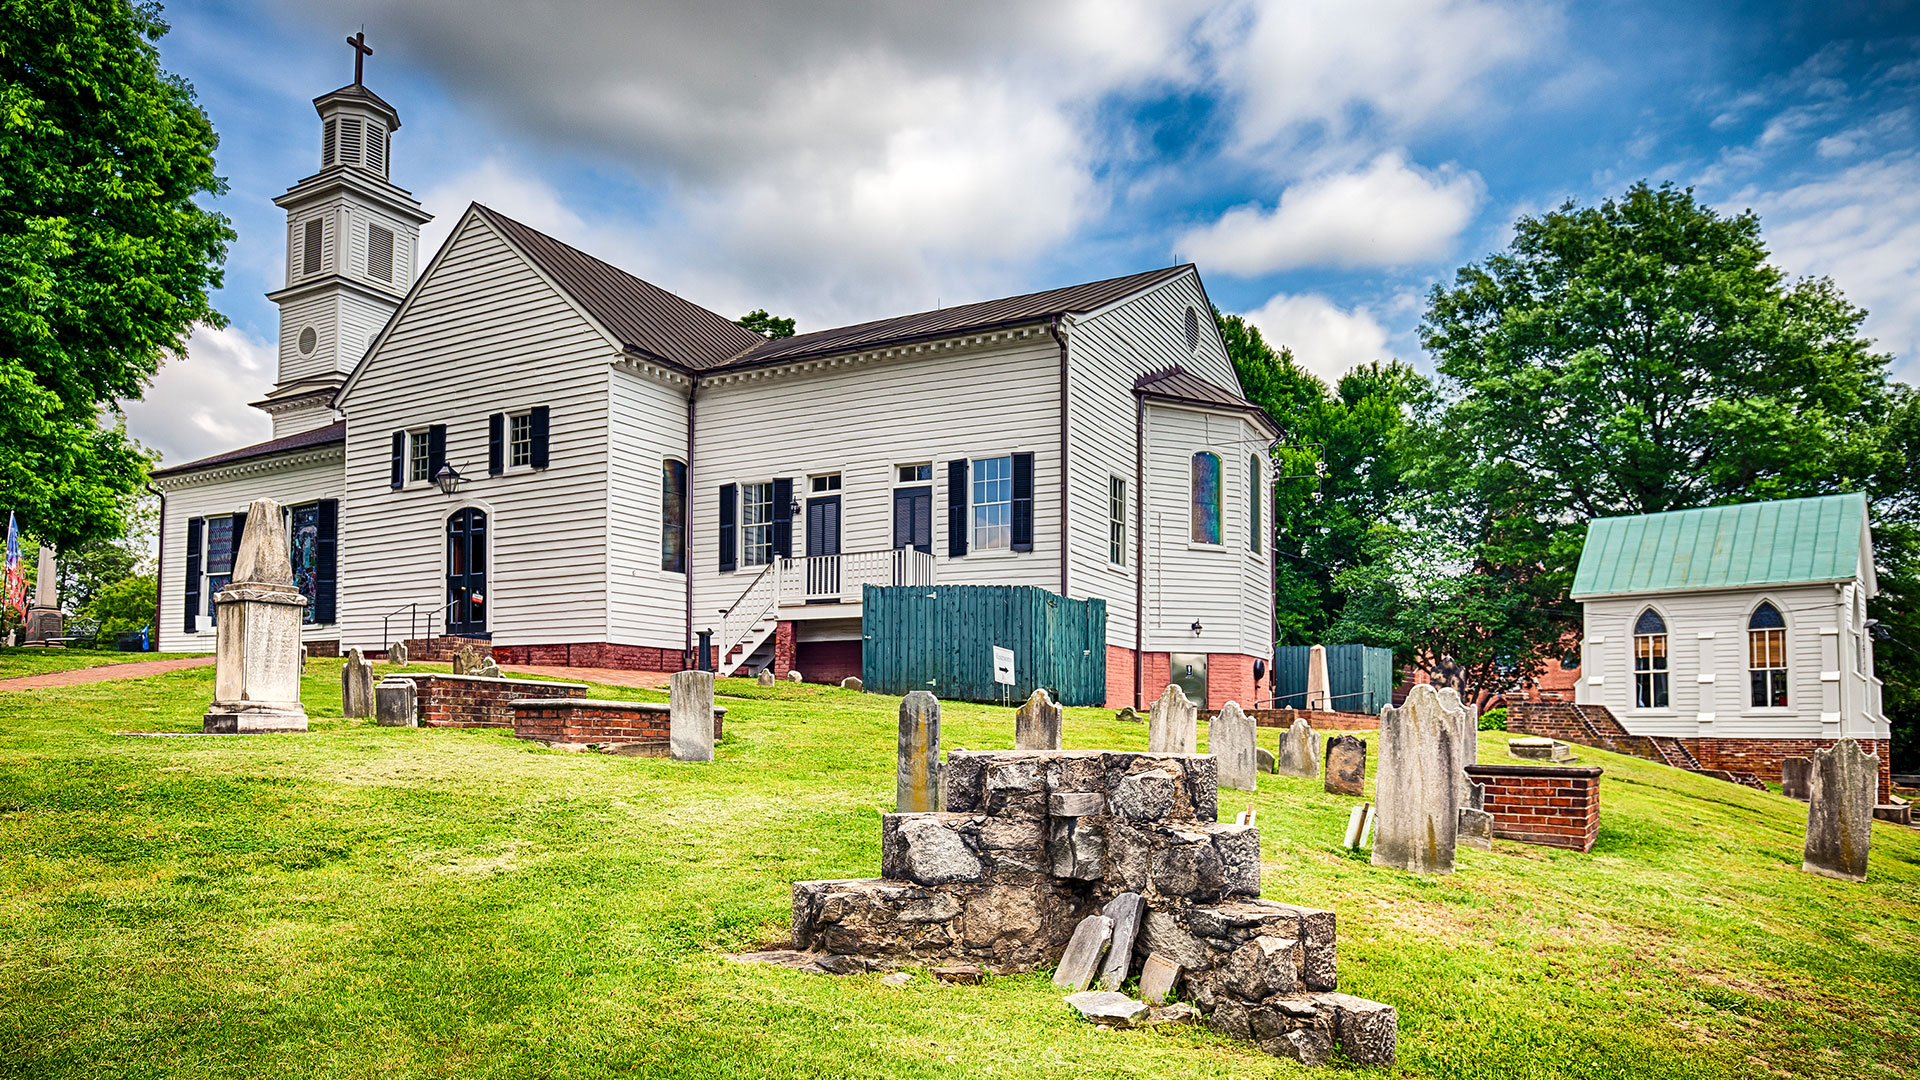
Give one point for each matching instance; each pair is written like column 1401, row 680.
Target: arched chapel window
column 1650, row 661
column 1767, row 657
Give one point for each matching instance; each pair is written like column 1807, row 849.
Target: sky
column 1325, row 163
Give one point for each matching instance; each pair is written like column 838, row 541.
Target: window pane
column 993, row 503
column 1255, row 503
column 1650, row 622
column 417, row 454
column 673, row 516
column 520, row 440
column 1659, row 690
column 1117, row 521
column 756, row 522
column 1206, row 498
column 303, row 549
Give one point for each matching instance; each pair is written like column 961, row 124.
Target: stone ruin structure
column 1032, row 843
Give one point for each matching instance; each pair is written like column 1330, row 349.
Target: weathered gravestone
column 1268, row 763
column 1841, row 789
column 1037, row 725
column 1085, row 950
column 1319, row 694
column 793, row 676
column 1231, row 739
column 396, row 703
column 690, row 715
column 1157, row 976
column 917, row 775
column 1796, row 773
column 1173, row 725
column 1346, row 765
column 487, row 668
column 1126, row 911
column 766, row 678
column 398, row 655
column 1418, row 786
column 256, row 681
column 356, row 685
column 466, row 660
column 852, row 682
column 1467, row 721
column 1296, row 756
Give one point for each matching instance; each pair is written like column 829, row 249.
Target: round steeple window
column 309, row 341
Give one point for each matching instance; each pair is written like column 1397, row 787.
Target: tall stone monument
column 356, row 685
column 1841, row 789
column 256, row 681
column 690, row 715
column 1231, row 739
column 1418, row 786
column 917, row 775
column 1037, row 725
column 43, row 622
column 1298, row 755
column 1319, row 694
column 1173, row 725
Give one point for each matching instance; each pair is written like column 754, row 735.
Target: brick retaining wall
column 479, row 701
column 440, row 650
column 1763, row 756
column 1319, row 721
column 580, row 722
column 1542, row 804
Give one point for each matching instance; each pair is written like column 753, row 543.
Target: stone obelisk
column 43, row 622
column 256, row 682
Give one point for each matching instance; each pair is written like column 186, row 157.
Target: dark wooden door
column 467, row 573
column 823, row 548
column 913, row 519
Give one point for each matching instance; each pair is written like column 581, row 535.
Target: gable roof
column 1180, row 386
column 643, row 316
column 965, row 319
column 335, row 432
column 1785, row 542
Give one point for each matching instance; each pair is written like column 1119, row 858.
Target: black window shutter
column 729, row 509
column 239, row 534
column 496, row 444
column 782, row 520
column 191, row 593
column 436, row 451
column 1023, row 502
column 326, row 547
column 957, row 508
column 399, row 476
column 540, row 417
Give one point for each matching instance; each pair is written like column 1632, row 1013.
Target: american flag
column 16, row 577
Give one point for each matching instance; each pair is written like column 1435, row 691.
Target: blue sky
column 1324, row 163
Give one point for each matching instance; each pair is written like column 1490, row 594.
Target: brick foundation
column 1542, row 804
column 1763, row 756
column 827, row 662
column 581, row 722
column 324, row 648
column 1229, row 678
column 1320, row 721
column 477, row 701
column 600, row 654
column 783, row 650
column 440, row 650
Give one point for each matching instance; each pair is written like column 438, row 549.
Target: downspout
column 686, row 535
column 1139, row 551
column 159, row 566
column 1053, row 327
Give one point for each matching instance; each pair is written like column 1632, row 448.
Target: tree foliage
column 124, row 606
column 766, row 325
column 105, row 258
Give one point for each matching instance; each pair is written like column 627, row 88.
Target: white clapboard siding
column 1607, row 654
column 289, row 479
column 321, row 311
column 646, row 605
column 862, row 419
column 1188, row 582
column 303, row 418
column 1108, row 352
column 484, row 334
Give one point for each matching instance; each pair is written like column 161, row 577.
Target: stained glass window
column 1206, row 498
column 219, row 571
column 303, row 540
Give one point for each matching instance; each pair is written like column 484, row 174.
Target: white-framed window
column 1767, row 657
column 1116, row 521
column 823, row 485
column 914, row 474
column 220, row 546
column 419, row 456
column 993, row 503
column 756, row 524
column 519, row 440
column 1650, row 674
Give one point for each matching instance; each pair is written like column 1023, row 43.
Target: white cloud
column 197, row 405
column 1389, row 213
column 1326, row 339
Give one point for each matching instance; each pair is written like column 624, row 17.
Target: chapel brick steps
column 1596, row 726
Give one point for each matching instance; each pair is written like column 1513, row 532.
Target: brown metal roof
column 332, row 433
column 645, row 317
column 965, row 319
column 1177, row 384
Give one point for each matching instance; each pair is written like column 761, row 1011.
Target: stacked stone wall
column 479, row 701
column 1540, row 804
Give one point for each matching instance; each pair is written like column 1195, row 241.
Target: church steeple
column 352, row 252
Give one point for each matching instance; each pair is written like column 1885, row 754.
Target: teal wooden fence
column 941, row 638
column 1359, row 677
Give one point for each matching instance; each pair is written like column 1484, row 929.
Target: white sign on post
column 1003, row 666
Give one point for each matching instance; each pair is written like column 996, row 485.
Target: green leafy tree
column 766, row 325
column 105, row 258
column 124, row 606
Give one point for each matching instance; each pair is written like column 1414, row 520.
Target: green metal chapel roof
column 1786, row 542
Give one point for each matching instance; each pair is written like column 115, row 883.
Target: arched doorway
column 467, row 573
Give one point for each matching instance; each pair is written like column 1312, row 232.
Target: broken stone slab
column 1177, row 1013
column 1296, row 755
column 1417, row 792
column 1368, row 1031
column 1158, row 975
column 957, row 974
column 917, row 777
column 1231, row 739
column 1476, row 828
column 1266, row 759
column 1126, row 911
column 793, row 676
column 1108, row 1007
column 1531, row 748
column 896, row 979
column 1346, row 762
column 1037, row 725
column 396, row 703
column 397, row 655
column 1263, row 967
column 1173, row 724
column 1084, row 952
column 1842, row 788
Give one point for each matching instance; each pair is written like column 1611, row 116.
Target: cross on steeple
column 361, row 50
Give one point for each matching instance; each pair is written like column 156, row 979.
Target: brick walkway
column 102, row 673
column 640, row 680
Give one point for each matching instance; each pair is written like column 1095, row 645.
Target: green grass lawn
column 365, row 901
column 17, row 661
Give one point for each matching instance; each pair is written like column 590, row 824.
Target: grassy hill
column 364, row 901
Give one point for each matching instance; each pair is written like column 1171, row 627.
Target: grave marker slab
column 1037, row 725
column 690, row 720
column 256, row 681
column 396, row 703
column 356, row 685
column 1085, row 950
column 1297, row 751
column 1796, row 774
column 1418, row 789
column 1157, row 978
column 1126, row 911
column 1173, row 725
column 1319, row 696
column 1231, row 738
column 1843, row 783
column 917, row 774
column 1346, row 766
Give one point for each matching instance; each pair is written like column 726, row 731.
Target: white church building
column 525, row 445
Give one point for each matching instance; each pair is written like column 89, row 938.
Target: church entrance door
column 823, row 550
column 467, row 573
